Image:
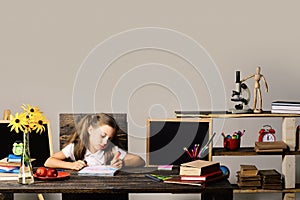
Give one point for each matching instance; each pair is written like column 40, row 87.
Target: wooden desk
column 123, row 183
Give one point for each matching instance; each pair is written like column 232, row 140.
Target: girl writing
column 92, row 145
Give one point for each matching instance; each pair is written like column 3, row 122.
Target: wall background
column 43, row 45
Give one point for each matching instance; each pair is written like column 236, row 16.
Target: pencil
column 187, row 151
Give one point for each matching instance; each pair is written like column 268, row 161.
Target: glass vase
column 25, row 174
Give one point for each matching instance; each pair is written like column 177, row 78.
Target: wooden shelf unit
column 288, row 157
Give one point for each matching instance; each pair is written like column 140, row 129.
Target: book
column 202, row 177
column 248, row 170
column 285, row 111
column 3, row 162
column 8, row 176
column 165, row 167
column 9, row 169
column 199, row 167
column 270, row 173
column 277, row 146
column 247, row 178
column 99, row 170
column 285, row 108
column 249, row 183
column 13, row 158
column 286, row 103
column 177, row 180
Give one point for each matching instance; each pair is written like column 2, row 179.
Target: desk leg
column 6, row 196
column 221, row 195
column 94, row 196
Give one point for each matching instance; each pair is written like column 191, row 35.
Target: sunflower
column 31, row 110
column 17, row 122
column 30, row 119
column 39, row 124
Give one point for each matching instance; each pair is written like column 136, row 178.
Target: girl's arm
column 57, row 161
column 132, row 160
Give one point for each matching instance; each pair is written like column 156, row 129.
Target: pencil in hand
column 117, row 155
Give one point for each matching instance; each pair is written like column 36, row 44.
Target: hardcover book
column 199, row 167
column 248, row 170
column 286, row 103
column 277, row 146
column 271, row 179
column 177, row 180
column 202, row 177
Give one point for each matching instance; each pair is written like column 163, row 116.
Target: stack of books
column 8, row 170
column 248, row 177
column 285, row 107
column 271, row 179
column 198, row 172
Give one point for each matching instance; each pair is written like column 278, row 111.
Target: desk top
column 127, row 181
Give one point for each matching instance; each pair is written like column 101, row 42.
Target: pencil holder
column 232, row 144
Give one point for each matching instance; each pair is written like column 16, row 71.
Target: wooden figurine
column 257, row 92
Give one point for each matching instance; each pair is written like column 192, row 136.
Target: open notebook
column 99, row 170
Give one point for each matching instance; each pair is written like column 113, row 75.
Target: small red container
column 232, row 144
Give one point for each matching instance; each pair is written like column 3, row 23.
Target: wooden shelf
column 292, row 190
column 247, row 151
column 225, row 114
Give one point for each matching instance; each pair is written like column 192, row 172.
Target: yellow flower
column 17, row 123
column 30, row 119
column 30, row 110
column 39, row 124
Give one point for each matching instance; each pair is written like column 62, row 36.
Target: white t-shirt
column 92, row 159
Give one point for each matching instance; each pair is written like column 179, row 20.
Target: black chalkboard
column 167, row 137
column 39, row 144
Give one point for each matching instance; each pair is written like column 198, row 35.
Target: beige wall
column 44, row 44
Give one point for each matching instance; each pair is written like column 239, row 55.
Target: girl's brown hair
column 80, row 137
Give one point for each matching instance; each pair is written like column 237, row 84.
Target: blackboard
column 167, row 137
column 40, row 145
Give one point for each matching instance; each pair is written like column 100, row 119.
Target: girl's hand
column 79, row 164
column 116, row 161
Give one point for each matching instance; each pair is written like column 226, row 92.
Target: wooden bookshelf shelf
column 292, row 190
column 247, row 151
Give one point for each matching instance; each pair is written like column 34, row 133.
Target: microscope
column 240, row 96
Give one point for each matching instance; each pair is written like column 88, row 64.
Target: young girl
column 92, row 145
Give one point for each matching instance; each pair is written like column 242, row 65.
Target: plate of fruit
column 43, row 173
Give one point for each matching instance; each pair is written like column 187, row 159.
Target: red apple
column 52, row 172
column 41, row 172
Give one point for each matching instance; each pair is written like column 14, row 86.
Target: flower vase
column 25, row 174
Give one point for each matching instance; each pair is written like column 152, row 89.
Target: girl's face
column 100, row 137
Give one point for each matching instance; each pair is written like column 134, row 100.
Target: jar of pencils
column 233, row 142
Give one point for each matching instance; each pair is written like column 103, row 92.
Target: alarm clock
column 17, row 148
column 266, row 134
